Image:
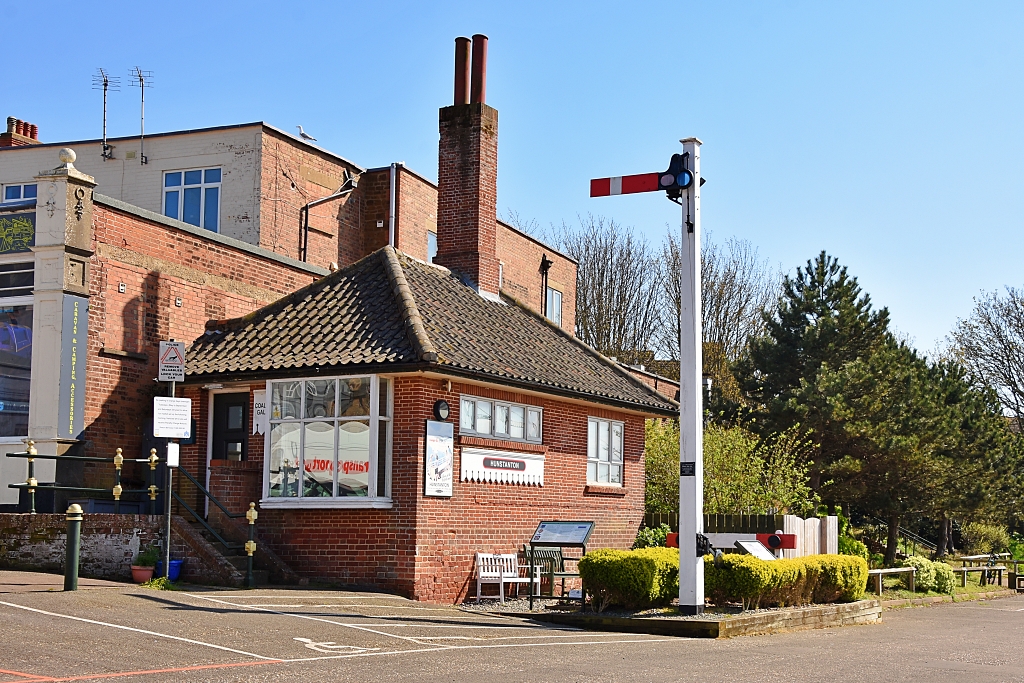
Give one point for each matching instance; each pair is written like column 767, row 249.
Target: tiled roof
column 392, row 310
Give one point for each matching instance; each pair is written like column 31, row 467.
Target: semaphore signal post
column 681, row 182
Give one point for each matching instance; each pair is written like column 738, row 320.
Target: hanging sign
column 440, row 459
column 172, row 417
column 259, row 412
column 172, row 362
column 502, row 467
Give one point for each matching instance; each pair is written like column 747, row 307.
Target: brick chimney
column 19, row 133
column 467, row 174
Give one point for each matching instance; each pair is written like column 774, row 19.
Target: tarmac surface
column 125, row 633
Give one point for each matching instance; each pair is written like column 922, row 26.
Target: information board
column 440, row 459
column 172, row 417
column 562, row 533
column 756, row 549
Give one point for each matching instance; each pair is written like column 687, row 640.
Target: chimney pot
column 35, row 131
column 462, row 71
column 11, row 123
column 479, row 93
column 19, row 127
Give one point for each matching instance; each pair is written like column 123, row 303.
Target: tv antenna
column 101, row 80
column 142, row 80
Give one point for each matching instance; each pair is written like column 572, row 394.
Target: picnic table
column 965, row 570
column 879, row 573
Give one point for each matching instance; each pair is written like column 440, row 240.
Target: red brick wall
column 374, row 190
column 292, row 176
column 424, row 547
column 416, row 213
column 520, row 258
column 157, row 265
column 666, row 387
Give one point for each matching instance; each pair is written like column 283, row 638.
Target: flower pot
column 141, row 574
column 175, row 572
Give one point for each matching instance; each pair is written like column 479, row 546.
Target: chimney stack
column 467, row 174
column 19, row 133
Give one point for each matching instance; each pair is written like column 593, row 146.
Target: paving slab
column 32, row 582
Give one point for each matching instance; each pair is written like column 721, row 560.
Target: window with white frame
column 431, row 246
column 500, row 419
column 553, row 305
column 604, row 452
column 329, row 438
column 193, row 196
column 15, row 193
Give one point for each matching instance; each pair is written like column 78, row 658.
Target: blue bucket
column 175, row 569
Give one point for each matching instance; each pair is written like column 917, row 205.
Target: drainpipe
column 545, row 266
column 391, row 206
column 350, row 184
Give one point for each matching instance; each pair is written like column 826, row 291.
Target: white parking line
column 139, row 630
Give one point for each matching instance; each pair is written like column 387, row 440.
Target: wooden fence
column 736, row 524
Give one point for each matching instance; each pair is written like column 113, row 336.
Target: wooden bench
column 502, row 570
column 551, row 563
column 878, row 573
column 964, row 571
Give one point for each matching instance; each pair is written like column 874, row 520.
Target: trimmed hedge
column 631, row 578
column 803, row 580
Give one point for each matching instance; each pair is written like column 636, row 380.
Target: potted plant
column 144, row 565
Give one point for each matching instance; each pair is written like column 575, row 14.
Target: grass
column 895, row 588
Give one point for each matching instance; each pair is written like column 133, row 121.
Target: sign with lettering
column 562, row 533
column 502, row 467
column 172, row 417
column 439, row 460
column 17, row 232
column 260, row 416
column 73, row 343
column 171, row 362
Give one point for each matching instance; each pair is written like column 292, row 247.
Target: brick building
column 354, row 320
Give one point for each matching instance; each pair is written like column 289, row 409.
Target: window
column 329, row 438
column 193, row 197
column 604, row 452
column 553, row 305
column 15, row 193
column 500, row 420
column 431, row 246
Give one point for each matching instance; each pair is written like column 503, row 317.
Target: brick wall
column 109, row 545
column 424, row 547
column 520, row 257
column 157, row 264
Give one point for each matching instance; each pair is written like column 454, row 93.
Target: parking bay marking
column 140, row 630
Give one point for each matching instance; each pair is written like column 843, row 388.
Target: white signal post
column 691, row 424
column 683, row 169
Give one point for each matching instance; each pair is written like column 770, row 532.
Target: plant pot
column 175, row 572
column 141, row 574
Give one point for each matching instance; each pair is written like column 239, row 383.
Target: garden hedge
column 631, row 578
column 761, row 583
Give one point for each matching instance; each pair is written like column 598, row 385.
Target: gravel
column 540, row 605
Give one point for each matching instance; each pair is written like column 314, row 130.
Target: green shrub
column 161, row 583
column 945, row 579
column 147, row 558
column 924, row 577
column 631, row 578
column 851, row 546
column 756, row 583
column 652, row 538
column 985, row 538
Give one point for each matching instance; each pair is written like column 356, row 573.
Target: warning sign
column 172, row 362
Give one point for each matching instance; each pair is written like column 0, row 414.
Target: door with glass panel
column 230, row 426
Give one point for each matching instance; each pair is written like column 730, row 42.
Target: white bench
column 878, row 573
column 502, row 570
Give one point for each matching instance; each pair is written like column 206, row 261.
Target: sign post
column 681, row 183
column 172, row 419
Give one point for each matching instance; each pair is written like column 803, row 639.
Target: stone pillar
column 63, row 247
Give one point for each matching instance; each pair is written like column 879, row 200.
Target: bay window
column 330, row 439
column 604, row 452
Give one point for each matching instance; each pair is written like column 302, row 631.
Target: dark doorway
column 230, row 426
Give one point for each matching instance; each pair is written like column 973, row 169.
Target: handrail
column 232, row 515
column 907, row 535
column 231, row 546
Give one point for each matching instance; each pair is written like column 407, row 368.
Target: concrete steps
column 237, row 557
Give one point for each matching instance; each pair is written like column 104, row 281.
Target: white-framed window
column 553, row 305
column 431, row 246
column 193, row 196
column 330, row 439
column 500, row 419
column 604, row 451
column 16, row 193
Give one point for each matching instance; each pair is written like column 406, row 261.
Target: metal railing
column 33, row 485
column 907, row 539
column 251, row 514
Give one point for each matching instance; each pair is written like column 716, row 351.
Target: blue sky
column 888, row 134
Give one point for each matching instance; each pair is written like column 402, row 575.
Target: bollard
column 250, row 545
column 74, row 517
